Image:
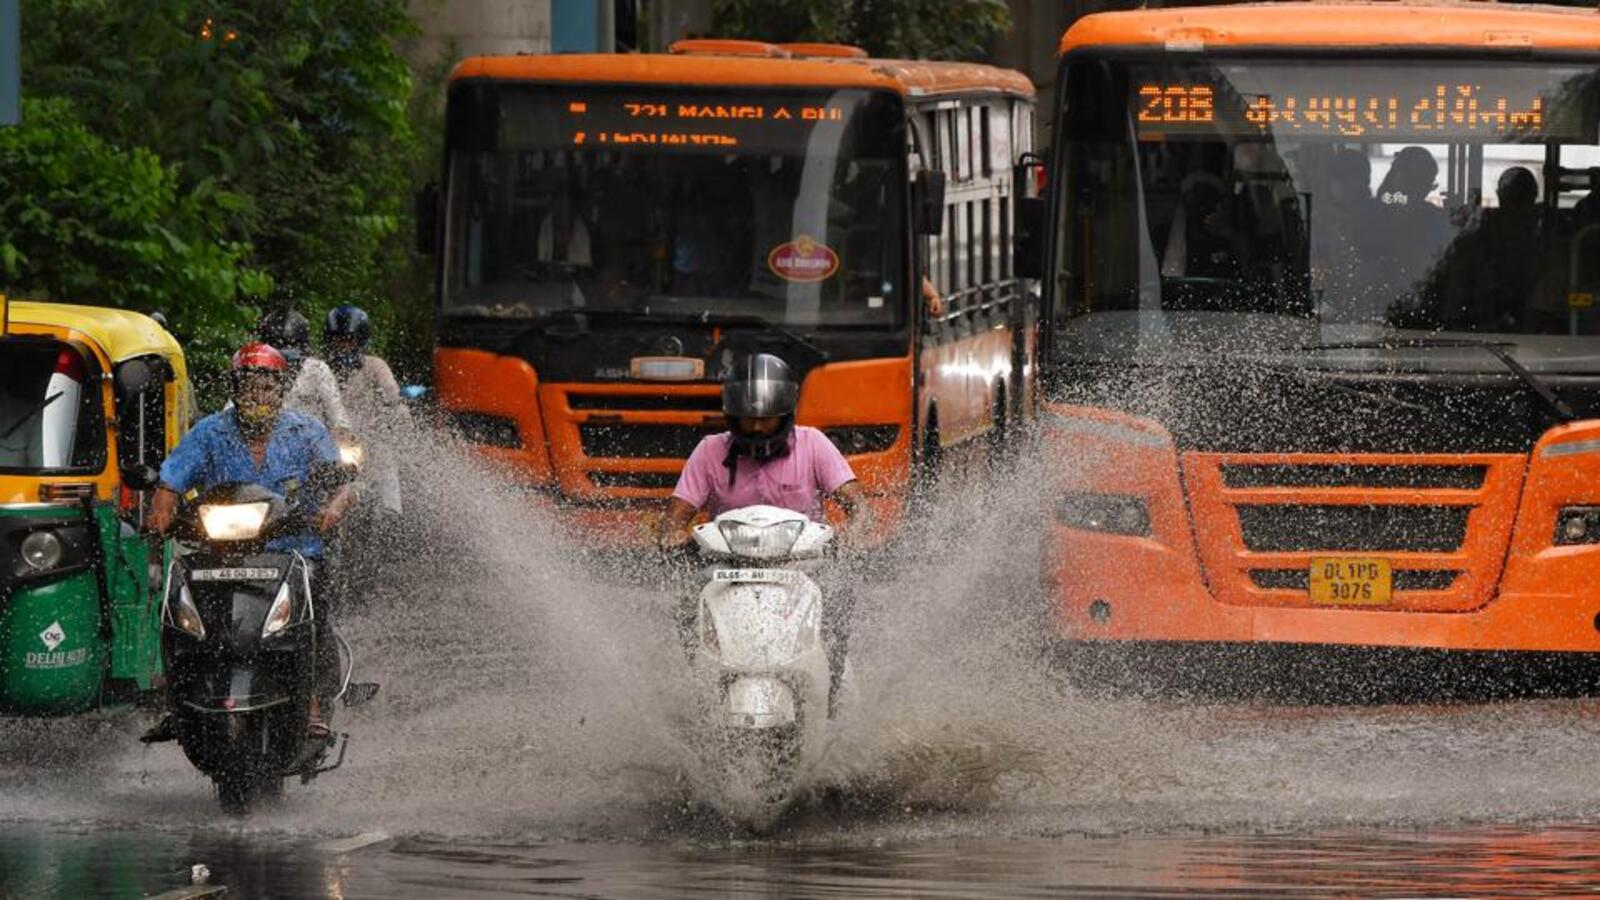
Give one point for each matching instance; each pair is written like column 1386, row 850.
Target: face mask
column 256, row 418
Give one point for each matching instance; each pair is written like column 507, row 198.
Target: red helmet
column 257, row 355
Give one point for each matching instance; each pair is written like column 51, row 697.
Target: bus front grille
column 1367, row 528
column 627, row 440
column 1442, row 522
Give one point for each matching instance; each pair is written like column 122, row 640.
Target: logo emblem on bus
column 803, row 259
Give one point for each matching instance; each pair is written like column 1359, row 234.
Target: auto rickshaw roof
column 121, row 334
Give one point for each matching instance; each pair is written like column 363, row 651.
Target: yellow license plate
column 1350, row 581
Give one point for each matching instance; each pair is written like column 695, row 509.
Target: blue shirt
column 214, row 452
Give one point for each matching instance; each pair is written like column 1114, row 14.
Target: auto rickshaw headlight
column 281, row 611
column 42, row 551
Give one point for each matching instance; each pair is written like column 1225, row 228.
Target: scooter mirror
column 141, row 477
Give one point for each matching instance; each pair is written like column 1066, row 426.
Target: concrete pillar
column 478, row 27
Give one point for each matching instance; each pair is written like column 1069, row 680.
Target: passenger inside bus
column 1413, row 235
column 1495, row 261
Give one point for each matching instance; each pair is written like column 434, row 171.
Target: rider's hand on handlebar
column 674, row 540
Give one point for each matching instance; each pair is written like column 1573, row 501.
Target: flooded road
column 1499, row 861
column 529, row 740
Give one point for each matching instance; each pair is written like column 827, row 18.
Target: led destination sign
column 683, row 123
column 678, row 122
column 1369, row 102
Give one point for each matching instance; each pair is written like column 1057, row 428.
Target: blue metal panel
column 10, row 64
column 574, row 26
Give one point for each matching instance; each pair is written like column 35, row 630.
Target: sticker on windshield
column 803, row 259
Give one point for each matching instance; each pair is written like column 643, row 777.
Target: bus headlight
column 1109, row 513
column 1578, row 525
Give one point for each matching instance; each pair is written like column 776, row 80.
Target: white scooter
column 758, row 654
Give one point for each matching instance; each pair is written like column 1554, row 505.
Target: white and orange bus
column 1324, row 350
column 614, row 229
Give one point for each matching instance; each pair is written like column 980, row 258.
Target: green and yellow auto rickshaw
column 91, row 401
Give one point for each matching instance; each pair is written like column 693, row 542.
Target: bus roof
column 121, row 334
column 913, row 78
column 1345, row 25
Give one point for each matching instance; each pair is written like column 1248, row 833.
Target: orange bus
column 1323, row 345
column 614, row 230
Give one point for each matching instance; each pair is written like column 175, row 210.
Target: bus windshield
column 1260, row 203
column 666, row 200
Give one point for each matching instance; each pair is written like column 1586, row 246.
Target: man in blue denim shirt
column 258, row 442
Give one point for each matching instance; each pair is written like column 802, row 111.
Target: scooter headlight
column 761, row 541
column 185, row 614
column 280, row 613
column 233, row 521
column 351, row 454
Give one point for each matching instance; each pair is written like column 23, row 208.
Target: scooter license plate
column 237, row 574
column 755, row 576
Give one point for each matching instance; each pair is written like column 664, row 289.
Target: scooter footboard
column 759, row 701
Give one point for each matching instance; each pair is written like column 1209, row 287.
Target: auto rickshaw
column 91, row 402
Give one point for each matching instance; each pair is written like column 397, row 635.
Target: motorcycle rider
column 373, row 396
column 765, row 458
column 258, row 441
column 316, row 390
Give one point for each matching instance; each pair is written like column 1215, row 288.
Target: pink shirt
column 799, row 480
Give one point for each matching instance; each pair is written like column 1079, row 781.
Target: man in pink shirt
column 764, row 458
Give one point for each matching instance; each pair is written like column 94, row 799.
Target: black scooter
column 240, row 641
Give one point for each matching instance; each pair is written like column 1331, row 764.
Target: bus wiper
column 762, row 322
column 707, row 317
column 1563, row 412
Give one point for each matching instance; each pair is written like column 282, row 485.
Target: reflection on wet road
column 529, row 740
column 1496, row 861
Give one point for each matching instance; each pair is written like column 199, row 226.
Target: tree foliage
column 911, row 29
column 296, row 109
column 82, row 220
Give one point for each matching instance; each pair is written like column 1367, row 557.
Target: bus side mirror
column 927, row 198
column 1027, row 252
column 428, row 219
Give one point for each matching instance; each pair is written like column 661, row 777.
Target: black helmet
column 760, row 386
column 284, row 329
column 348, row 323
column 345, row 335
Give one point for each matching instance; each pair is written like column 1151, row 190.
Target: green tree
column 911, row 29
column 84, row 221
column 297, row 107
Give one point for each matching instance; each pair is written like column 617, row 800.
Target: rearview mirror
column 1027, row 251
column 428, row 219
column 141, row 477
column 132, row 377
column 927, row 197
